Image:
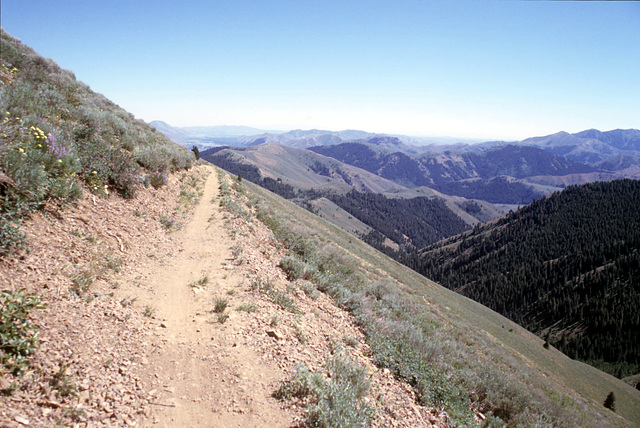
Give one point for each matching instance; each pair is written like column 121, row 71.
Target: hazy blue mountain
column 205, row 136
column 590, row 146
column 601, row 150
column 302, row 139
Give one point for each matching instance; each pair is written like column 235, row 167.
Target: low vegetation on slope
column 566, row 267
column 451, row 350
column 57, row 135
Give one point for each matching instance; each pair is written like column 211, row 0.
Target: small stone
column 163, row 325
column 275, row 334
column 21, row 420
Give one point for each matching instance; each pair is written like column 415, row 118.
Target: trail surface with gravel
column 202, row 372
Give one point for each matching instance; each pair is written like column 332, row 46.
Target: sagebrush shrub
column 18, row 336
column 337, row 402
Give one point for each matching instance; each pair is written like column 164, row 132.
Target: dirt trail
column 143, row 345
column 201, row 373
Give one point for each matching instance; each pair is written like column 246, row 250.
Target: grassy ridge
column 56, row 135
column 456, row 353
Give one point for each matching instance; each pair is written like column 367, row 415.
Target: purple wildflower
column 55, row 148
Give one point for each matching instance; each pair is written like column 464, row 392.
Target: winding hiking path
column 201, row 372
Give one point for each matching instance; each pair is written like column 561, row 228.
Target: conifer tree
column 610, row 401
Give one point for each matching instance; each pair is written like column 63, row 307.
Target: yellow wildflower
column 21, row 150
column 94, row 172
column 59, row 160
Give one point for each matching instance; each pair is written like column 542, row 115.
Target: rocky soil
column 174, row 327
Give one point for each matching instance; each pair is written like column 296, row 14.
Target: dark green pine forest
column 566, row 267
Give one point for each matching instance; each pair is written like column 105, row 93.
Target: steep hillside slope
column 57, row 133
column 418, row 329
column 566, row 267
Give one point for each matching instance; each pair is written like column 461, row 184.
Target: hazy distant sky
column 486, row 69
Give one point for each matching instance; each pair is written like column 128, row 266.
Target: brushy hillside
column 458, row 355
column 58, row 137
column 566, row 267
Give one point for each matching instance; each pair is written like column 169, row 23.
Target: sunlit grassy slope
column 304, row 169
column 457, row 353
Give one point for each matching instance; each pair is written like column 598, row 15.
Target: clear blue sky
column 486, row 69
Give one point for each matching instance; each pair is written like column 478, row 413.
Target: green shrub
column 203, row 281
column 284, row 301
column 155, row 179
column 248, row 307
column 294, row 268
column 18, row 337
column 303, row 384
column 258, row 284
column 81, row 283
column 338, row 402
column 310, row 289
column 169, row 223
column 234, row 208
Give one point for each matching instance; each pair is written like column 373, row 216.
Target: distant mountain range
column 211, row 136
column 617, row 147
column 467, row 174
column 204, row 135
column 580, row 158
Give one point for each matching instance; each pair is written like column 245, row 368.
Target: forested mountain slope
column 567, row 267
